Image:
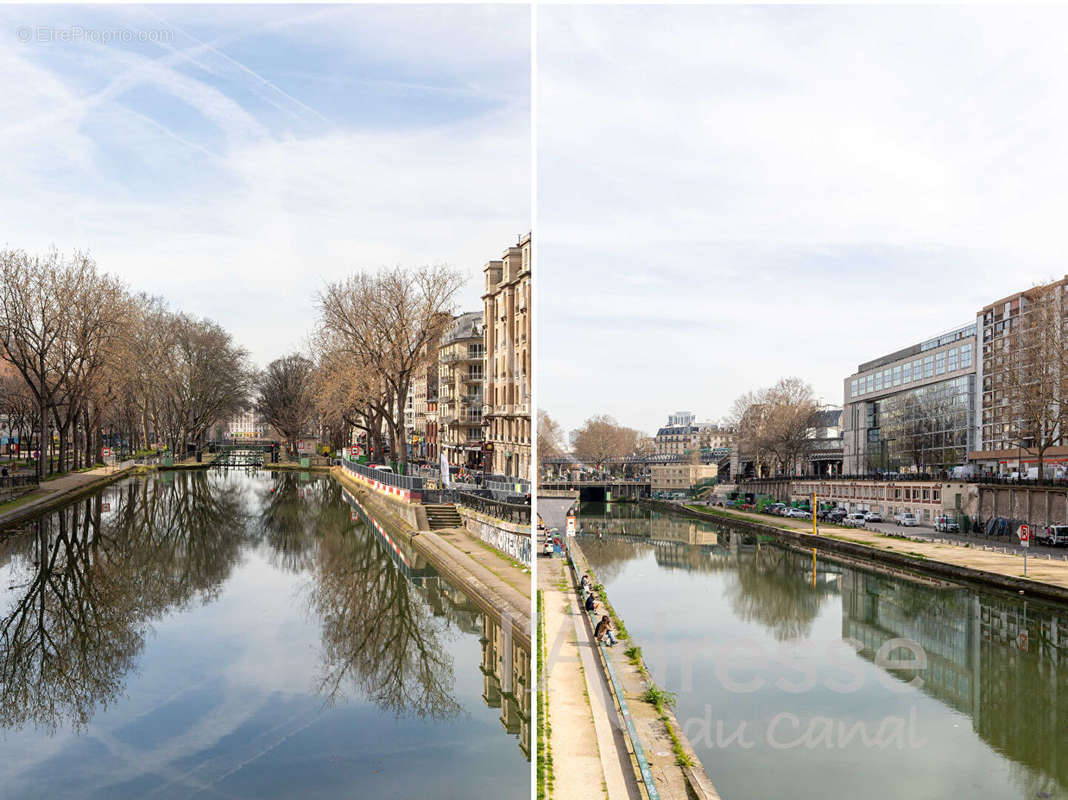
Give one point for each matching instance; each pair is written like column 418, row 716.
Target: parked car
column 799, row 513
column 382, row 467
column 1054, row 535
column 907, row 519
column 856, row 519
column 774, row 508
column 833, row 515
column 873, row 516
column 947, row 525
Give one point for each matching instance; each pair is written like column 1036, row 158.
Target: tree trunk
column 43, row 421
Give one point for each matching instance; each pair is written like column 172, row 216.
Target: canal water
column 246, row 634
column 825, row 679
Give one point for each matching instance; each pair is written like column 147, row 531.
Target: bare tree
column 384, row 322
column 550, row 436
column 284, row 396
column 602, row 438
column 1034, row 369
column 54, row 325
column 773, row 424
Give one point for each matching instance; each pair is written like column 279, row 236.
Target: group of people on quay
column 603, row 630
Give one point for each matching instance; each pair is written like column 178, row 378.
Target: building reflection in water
column 999, row 659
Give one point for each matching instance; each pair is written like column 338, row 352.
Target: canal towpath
column 586, row 738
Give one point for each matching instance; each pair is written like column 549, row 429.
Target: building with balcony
column 913, row 410
column 506, row 302
column 461, row 377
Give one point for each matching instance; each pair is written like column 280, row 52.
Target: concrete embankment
column 663, row 760
column 58, row 491
column 1046, row 578
column 486, row 577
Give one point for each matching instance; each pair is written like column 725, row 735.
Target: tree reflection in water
column 772, row 586
column 85, row 587
column 378, row 633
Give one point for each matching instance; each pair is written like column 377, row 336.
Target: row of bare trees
column 89, row 356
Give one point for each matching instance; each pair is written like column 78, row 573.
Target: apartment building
column 1006, row 441
column 461, row 376
column 913, row 409
column 507, row 310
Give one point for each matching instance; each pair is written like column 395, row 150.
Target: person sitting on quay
column 585, row 582
column 604, row 630
column 591, row 604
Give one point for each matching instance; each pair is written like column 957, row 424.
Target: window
column 878, row 381
column 906, row 373
column 940, row 364
column 853, row 389
column 870, row 382
column 886, row 378
column 952, row 359
column 917, row 369
column 965, row 355
column 897, row 376
column 928, row 366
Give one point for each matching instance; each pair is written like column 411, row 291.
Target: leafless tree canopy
column 773, row 424
column 378, row 330
column 93, row 357
column 1030, row 370
column 550, row 436
column 601, row 438
column 285, row 396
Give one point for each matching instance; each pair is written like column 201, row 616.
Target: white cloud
column 816, row 186
column 175, row 172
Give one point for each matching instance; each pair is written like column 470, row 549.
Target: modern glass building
column 913, row 410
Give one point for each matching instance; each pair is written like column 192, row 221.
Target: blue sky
column 237, row 157
column 728, row 195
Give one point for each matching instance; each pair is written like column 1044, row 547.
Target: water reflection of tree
column 772, row 587
column 86, row 586
column 378, row 634
column 296, row 513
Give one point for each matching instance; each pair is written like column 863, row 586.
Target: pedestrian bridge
column 603, row 491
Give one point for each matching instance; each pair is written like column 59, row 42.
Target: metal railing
column 411, row 482
column 509, row 512
column 18, row 481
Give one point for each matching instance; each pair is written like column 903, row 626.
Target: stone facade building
column 461, row 373
column 507, row 410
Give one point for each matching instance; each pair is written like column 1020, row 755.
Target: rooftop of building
column 952, row 335
column 466, row 326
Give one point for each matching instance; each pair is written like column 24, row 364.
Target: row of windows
column 862, row 492
column 903, row 374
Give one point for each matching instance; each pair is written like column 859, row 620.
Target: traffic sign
column 1025, row 535
column 107, row 452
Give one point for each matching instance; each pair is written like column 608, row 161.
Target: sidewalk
column 673, row 781
column 55, row 490
column 589, row 754
column 511, row 572
column 1040, row 567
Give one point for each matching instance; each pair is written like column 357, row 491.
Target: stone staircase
column 442, row 515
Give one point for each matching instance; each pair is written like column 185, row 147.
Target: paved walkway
column 588, row 745
column 1044, row 567
column 509, row 571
